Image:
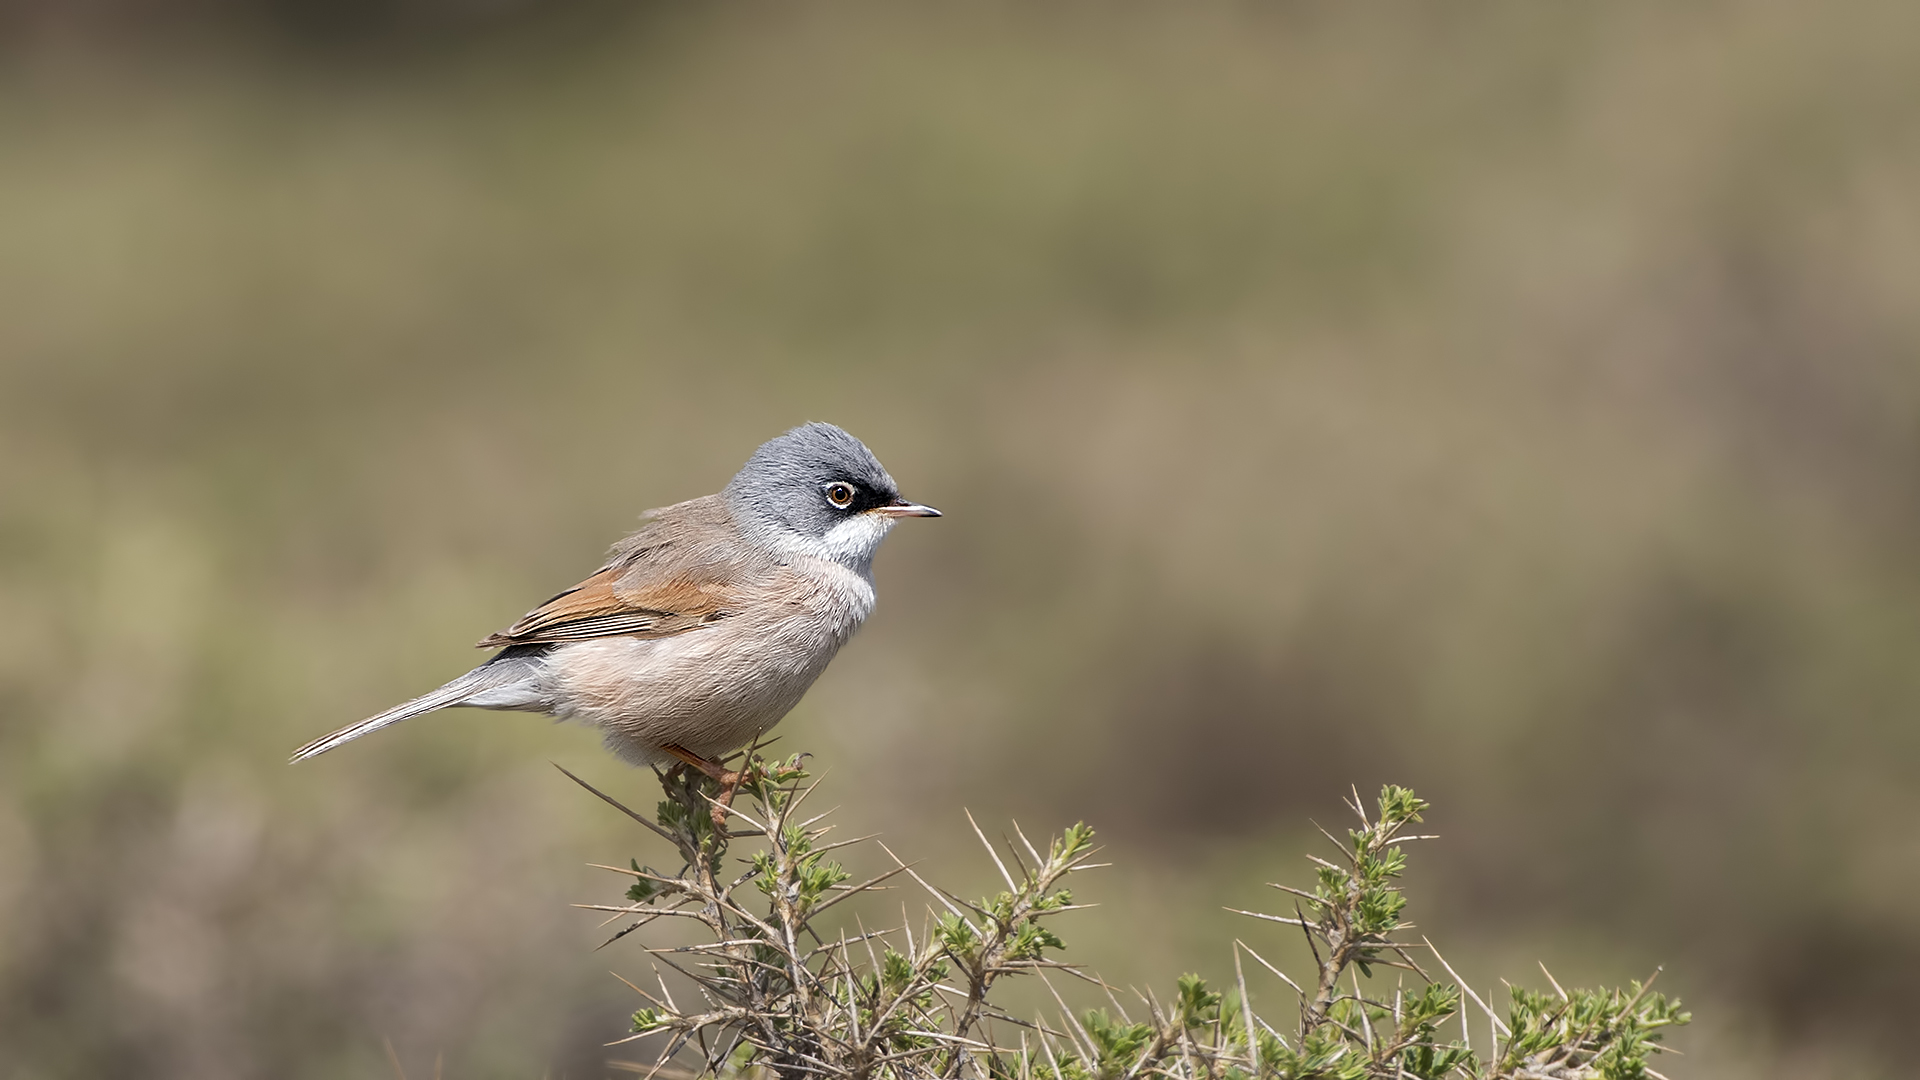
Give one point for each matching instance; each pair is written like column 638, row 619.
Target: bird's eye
column 840, row 494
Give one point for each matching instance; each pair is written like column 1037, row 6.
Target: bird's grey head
column 819, row 491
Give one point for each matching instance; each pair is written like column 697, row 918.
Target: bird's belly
column 708, row 691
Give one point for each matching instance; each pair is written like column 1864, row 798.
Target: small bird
column 707, row 625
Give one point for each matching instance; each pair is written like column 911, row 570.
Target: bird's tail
column 502, row 672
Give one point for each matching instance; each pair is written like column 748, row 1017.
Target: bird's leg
column 728, row 779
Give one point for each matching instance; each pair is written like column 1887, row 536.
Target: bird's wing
column 673, row 576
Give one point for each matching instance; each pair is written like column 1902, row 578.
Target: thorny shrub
column 778, row 994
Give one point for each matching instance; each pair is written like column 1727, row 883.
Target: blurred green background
column 1515, row 401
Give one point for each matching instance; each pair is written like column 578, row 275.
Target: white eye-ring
column 840, row 494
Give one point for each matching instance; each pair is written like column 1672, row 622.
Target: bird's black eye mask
column 852, row 497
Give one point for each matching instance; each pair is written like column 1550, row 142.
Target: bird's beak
column 900, row 508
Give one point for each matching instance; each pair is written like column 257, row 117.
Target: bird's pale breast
column 716, row 688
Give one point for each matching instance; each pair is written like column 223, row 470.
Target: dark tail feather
column 501, row 671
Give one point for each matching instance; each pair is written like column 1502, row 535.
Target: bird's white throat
column 851, row 543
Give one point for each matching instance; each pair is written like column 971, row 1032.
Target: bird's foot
column 730, row 781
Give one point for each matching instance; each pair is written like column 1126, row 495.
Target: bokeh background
column 1516, row 401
